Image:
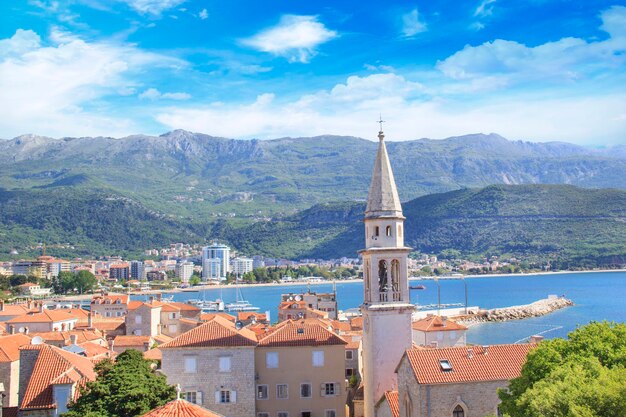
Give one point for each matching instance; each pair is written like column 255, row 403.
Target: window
column 118, row 314
column 271, row 359
column 305, row 390
column 330, row 413
column 318, row 358
column 224, row 363
column 388, row 230
column 172, row 315
column 282, row 391
column 191, row 365
column 349, row 355
column 261, row 392
column 305, row 414
column 226, row 396
column 349, row 373
column 376, row 231
column 107, row 314
column 458, row 411
column 137, row 319
column 445, row 365
column 192, row 396
column 282, row 414
column 329, row 389
column 263, row 414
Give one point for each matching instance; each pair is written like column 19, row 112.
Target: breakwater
column 536, row 309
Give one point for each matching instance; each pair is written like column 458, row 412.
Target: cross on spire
column 380, row 122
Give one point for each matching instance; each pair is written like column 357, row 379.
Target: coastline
column 199, row 288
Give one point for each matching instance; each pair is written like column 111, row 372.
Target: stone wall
column 208, row 379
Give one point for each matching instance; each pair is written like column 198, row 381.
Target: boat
column 240, row 304
column 417, row 287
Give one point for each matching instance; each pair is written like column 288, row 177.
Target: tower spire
column 382, row 199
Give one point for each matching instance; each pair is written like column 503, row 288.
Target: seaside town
column 387, row 359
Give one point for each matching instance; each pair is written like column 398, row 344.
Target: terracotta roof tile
column 130, row 340
column 392, row 400
column 51, row 364
column 135, row 304
column 356, row 323
column 435, row 324
column 153, row 354
column 47, row 316
column 215, row 333
column 495, row 363
column 111, row 298
column 308, row 332
column 181, row 408
column 10, row 346
column 176, row 306
column 211, row 316
column 14, row 310
column 82, row 335
column 246, row 315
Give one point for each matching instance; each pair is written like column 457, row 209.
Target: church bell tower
column 386, row 305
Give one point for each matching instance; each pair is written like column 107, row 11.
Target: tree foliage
column 81, row 281
column 583, row 376
column 126, row 388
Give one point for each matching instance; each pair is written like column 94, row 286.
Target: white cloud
column 204, row 14
column 412, row 24
column 485, row 8
column 564, row 61
column 154, row 94
column 153, row 7
column 55, row 89
column 295, row 37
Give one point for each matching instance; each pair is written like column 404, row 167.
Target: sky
column 537, row 70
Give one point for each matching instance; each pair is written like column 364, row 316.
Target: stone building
column 43, row 321
column 172, row 313
column 214, row 365
column 436, row 331
column 386, row 305
column 10, row 366
column 49, row 379
column 300, row 367
column 456, row 381
column 144, row 319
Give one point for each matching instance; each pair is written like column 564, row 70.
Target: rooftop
column 307, row 332
column 218, row 332
column 10, row 346
column 468, row 364
column 435, row 324
column 181, row 408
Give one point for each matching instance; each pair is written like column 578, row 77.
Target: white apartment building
column 213, row 252
column 240, row 266
column 184, row 271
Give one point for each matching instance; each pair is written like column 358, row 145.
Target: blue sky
column 536, row 70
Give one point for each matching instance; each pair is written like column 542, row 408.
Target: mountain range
column 303, row 197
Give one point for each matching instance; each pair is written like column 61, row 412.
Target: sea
column 597, row 296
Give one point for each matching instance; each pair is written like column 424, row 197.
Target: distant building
column 184, row 271
column 326, row 302
column 33, row 290
column 240, row 266
column 216, row 251
column 137, row 270
column 257, row 262
column 212, row 269
column 119, row 271
column 112, row 305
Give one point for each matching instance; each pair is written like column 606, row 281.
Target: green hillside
column 567, row 224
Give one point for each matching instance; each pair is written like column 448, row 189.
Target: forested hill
column 558, row 221
column 561, row 222
column 199, row 176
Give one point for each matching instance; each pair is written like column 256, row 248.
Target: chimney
column 111, row 344
column 434, row 344
column 470, row 353
column 159, row 297
column 1, row 305
column 26, row 330
column 11, row 329
column 443, row 321
column 536, row 338
column 151, row 299
column 41, row 306
column 73, row 339
column 485, row 349
column 90, row 320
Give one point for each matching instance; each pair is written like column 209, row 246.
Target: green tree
column 582, row 376
column 195, row 280
column 126, row 388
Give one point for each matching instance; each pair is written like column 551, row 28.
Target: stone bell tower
column 386, row 305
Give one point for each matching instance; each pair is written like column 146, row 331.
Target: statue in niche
column 395, row 275
column 382, row 276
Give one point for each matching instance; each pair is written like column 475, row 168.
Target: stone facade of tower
column 386, row 305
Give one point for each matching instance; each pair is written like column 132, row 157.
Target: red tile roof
column 181, row 408
column 47, row 316
column 392, row 400
column 215, row 333
column 82, row 335
column 435, row 324
column 245, row 315
column 211, row 316
column 53, row 364
column 130, row 340
column 10, row 346
column 307, row 332
column 175, row 306
column 356, row 323
column 292, row 304
column 153, row 354
column 495, row 363
column 14, row 310
column 111, row 298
